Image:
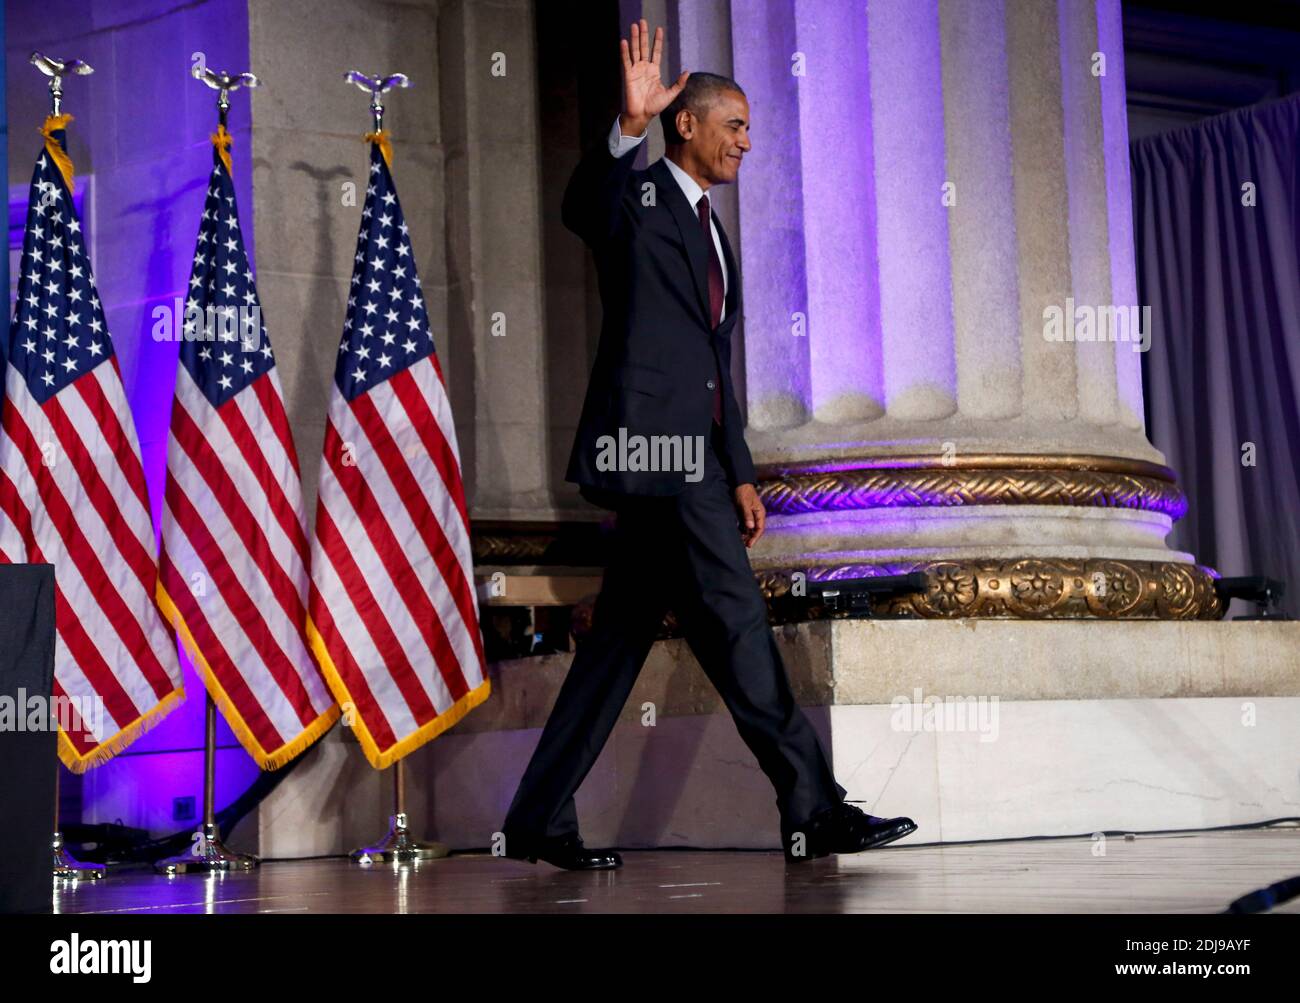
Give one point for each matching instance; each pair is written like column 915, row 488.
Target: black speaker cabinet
column 28, row 758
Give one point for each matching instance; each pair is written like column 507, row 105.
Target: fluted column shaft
column 938, row 193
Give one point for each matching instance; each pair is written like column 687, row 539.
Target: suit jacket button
column 710, row 385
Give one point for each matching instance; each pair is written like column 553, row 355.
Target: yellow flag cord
column 385, row 140
column 53, row 124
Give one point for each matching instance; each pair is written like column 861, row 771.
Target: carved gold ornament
column 1029, row 588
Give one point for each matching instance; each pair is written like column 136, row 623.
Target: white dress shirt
column 620, row 144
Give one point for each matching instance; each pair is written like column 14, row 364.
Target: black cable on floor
column 1239, row 827
column 118, row 851
column 1266, row 898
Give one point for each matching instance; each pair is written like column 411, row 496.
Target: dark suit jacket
column 658, row 356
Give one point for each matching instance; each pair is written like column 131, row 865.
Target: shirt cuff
column 619, row 145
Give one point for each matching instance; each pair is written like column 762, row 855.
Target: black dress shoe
column 561, row 851
column 844, row 828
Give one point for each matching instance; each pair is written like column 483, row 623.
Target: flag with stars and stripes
column 234, row 540
column 394, row 616
column 72, row 489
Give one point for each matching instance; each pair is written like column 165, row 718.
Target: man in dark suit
column 660, row 442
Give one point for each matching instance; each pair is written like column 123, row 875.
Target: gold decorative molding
column 977, row 461
column 978, row 479
column 507, row 542
column 491, row 548
column 1031, row 589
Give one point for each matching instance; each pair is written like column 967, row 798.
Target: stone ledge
column 876, row 661
column 1064, row 659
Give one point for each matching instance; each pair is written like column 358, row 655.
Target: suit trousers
column 682, row 552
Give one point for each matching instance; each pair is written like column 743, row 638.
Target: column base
column 1029, row 588
column 1005, row 536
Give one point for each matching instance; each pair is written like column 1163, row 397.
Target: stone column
column 496, row 307
column 932, row 184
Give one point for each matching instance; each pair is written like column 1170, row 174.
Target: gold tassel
column 385, row 140
column 221, row 140
column 53, row 123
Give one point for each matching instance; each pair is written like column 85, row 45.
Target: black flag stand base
column 66, row 867
column 399, row 846
column 208, row 855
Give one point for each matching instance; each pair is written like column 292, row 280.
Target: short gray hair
column 698, row 95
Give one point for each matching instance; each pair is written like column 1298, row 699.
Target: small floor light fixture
column 1265, row 593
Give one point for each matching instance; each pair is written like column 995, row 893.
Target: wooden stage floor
column 1193, row 873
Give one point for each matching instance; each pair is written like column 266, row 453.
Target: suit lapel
column 688, row 223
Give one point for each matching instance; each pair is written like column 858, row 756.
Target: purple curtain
column 1217, row 226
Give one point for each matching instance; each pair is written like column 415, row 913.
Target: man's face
column 720, row 138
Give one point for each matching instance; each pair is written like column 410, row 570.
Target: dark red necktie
column 716, row 295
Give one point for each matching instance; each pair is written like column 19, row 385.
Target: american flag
column 235, row 551
column 394, row 617
column 72, row 489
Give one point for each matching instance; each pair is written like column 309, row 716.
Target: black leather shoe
column 561, row 851
column 844, row 828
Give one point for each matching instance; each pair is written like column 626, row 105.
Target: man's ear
column 685, row 122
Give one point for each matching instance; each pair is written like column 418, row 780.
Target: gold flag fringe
column 75, row 761
column 385, row 140
column 266, row 759
column 381, row 759
column 110, row 747
column 54, row 123
column 221, row 139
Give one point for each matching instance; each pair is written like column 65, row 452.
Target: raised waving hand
column 644, row 93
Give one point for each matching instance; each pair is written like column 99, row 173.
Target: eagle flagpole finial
column 56, row 69
column 223, row 83
column 375, row 86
